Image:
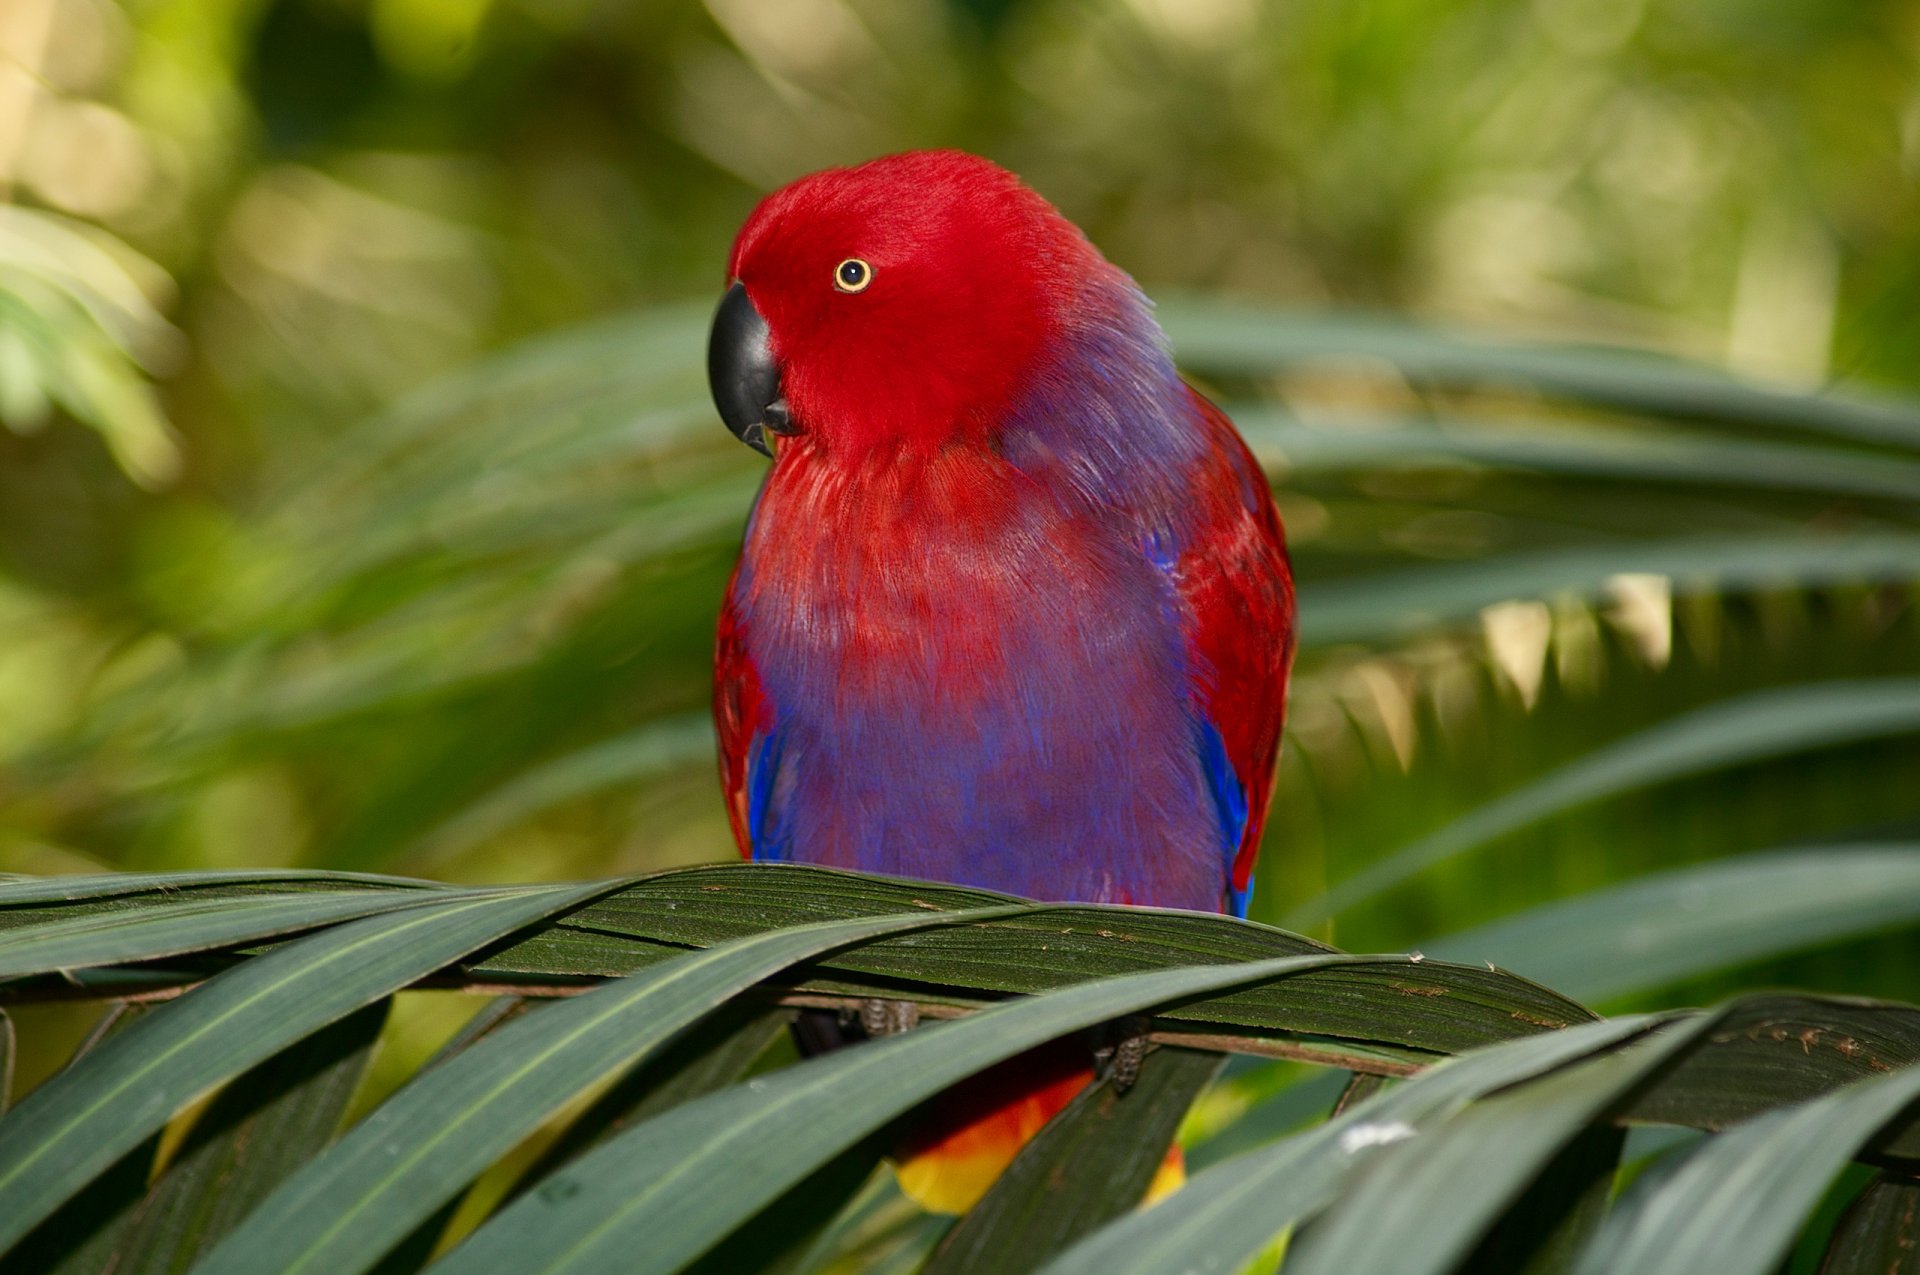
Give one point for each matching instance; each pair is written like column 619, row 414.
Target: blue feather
column 1230, row 804
column 763, row 766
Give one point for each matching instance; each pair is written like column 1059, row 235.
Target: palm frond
column 668, row 987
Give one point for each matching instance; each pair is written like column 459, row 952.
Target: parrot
column 1013, row 607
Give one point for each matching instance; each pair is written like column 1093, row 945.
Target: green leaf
column 1428, row 1007
column 1225, row 336
column 1580, row 453
column 412, row 1253
column 80, row 1121
column 498, row 1012
column 113, row 937
column 1466, row 1171
column 1558, row 1213
column 1422, row 1010
column 83, row 1234
column 780, row 1238
column 1090, row 1164
column 879, row 1232
column 1756, row 727
column 1670, row 926
column 1783, row 1048
column 708, row 1056
column 343, row 1211
column 1232, row 1211
column 23, row 892
column 261, row 1127
column 497, row 400
column 1287, row 1109
column 1738, row 1201
column 644, row 1202
column 1757, row 1053
column 1880, row 1232
column 1382, row 605
column 638, row 755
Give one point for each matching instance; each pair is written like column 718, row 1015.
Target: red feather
column 1238, row 585
column 994, row 344
column 739, row 712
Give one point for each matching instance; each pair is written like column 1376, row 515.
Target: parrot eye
column 852, row 275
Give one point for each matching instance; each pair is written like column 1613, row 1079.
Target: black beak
column 744, row 375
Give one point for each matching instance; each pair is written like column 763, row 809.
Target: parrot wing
column 1233, row 575
column 742, row 719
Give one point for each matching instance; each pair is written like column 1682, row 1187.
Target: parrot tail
column 962, row 1140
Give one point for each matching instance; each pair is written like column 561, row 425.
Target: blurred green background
column 360, row 505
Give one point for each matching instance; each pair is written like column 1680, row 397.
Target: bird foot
column 880, row 1017
column 1120, row 1049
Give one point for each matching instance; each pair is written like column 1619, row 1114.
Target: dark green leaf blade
column 1090, row 1164
column 1784, row 1048
column 346, row 1209
column 1749, row 1056
column 412, row 1253
column 82, row 1235
column 1428, row 1010
column 1233, row 1210
column 1431, row 1007
column 779, row 1240
column 76, row 1124
column 1550, row 1225
column 710, row 1056
column 1880, row 1232
column 644, row 1201
column 113, row 938
column 1469, row 1170
column 261, row 1127
column 1739, row 1199
column 26, row 892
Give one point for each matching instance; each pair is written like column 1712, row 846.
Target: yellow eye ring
column 852, row 275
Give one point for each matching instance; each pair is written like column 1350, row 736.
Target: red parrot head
column 905, row 299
